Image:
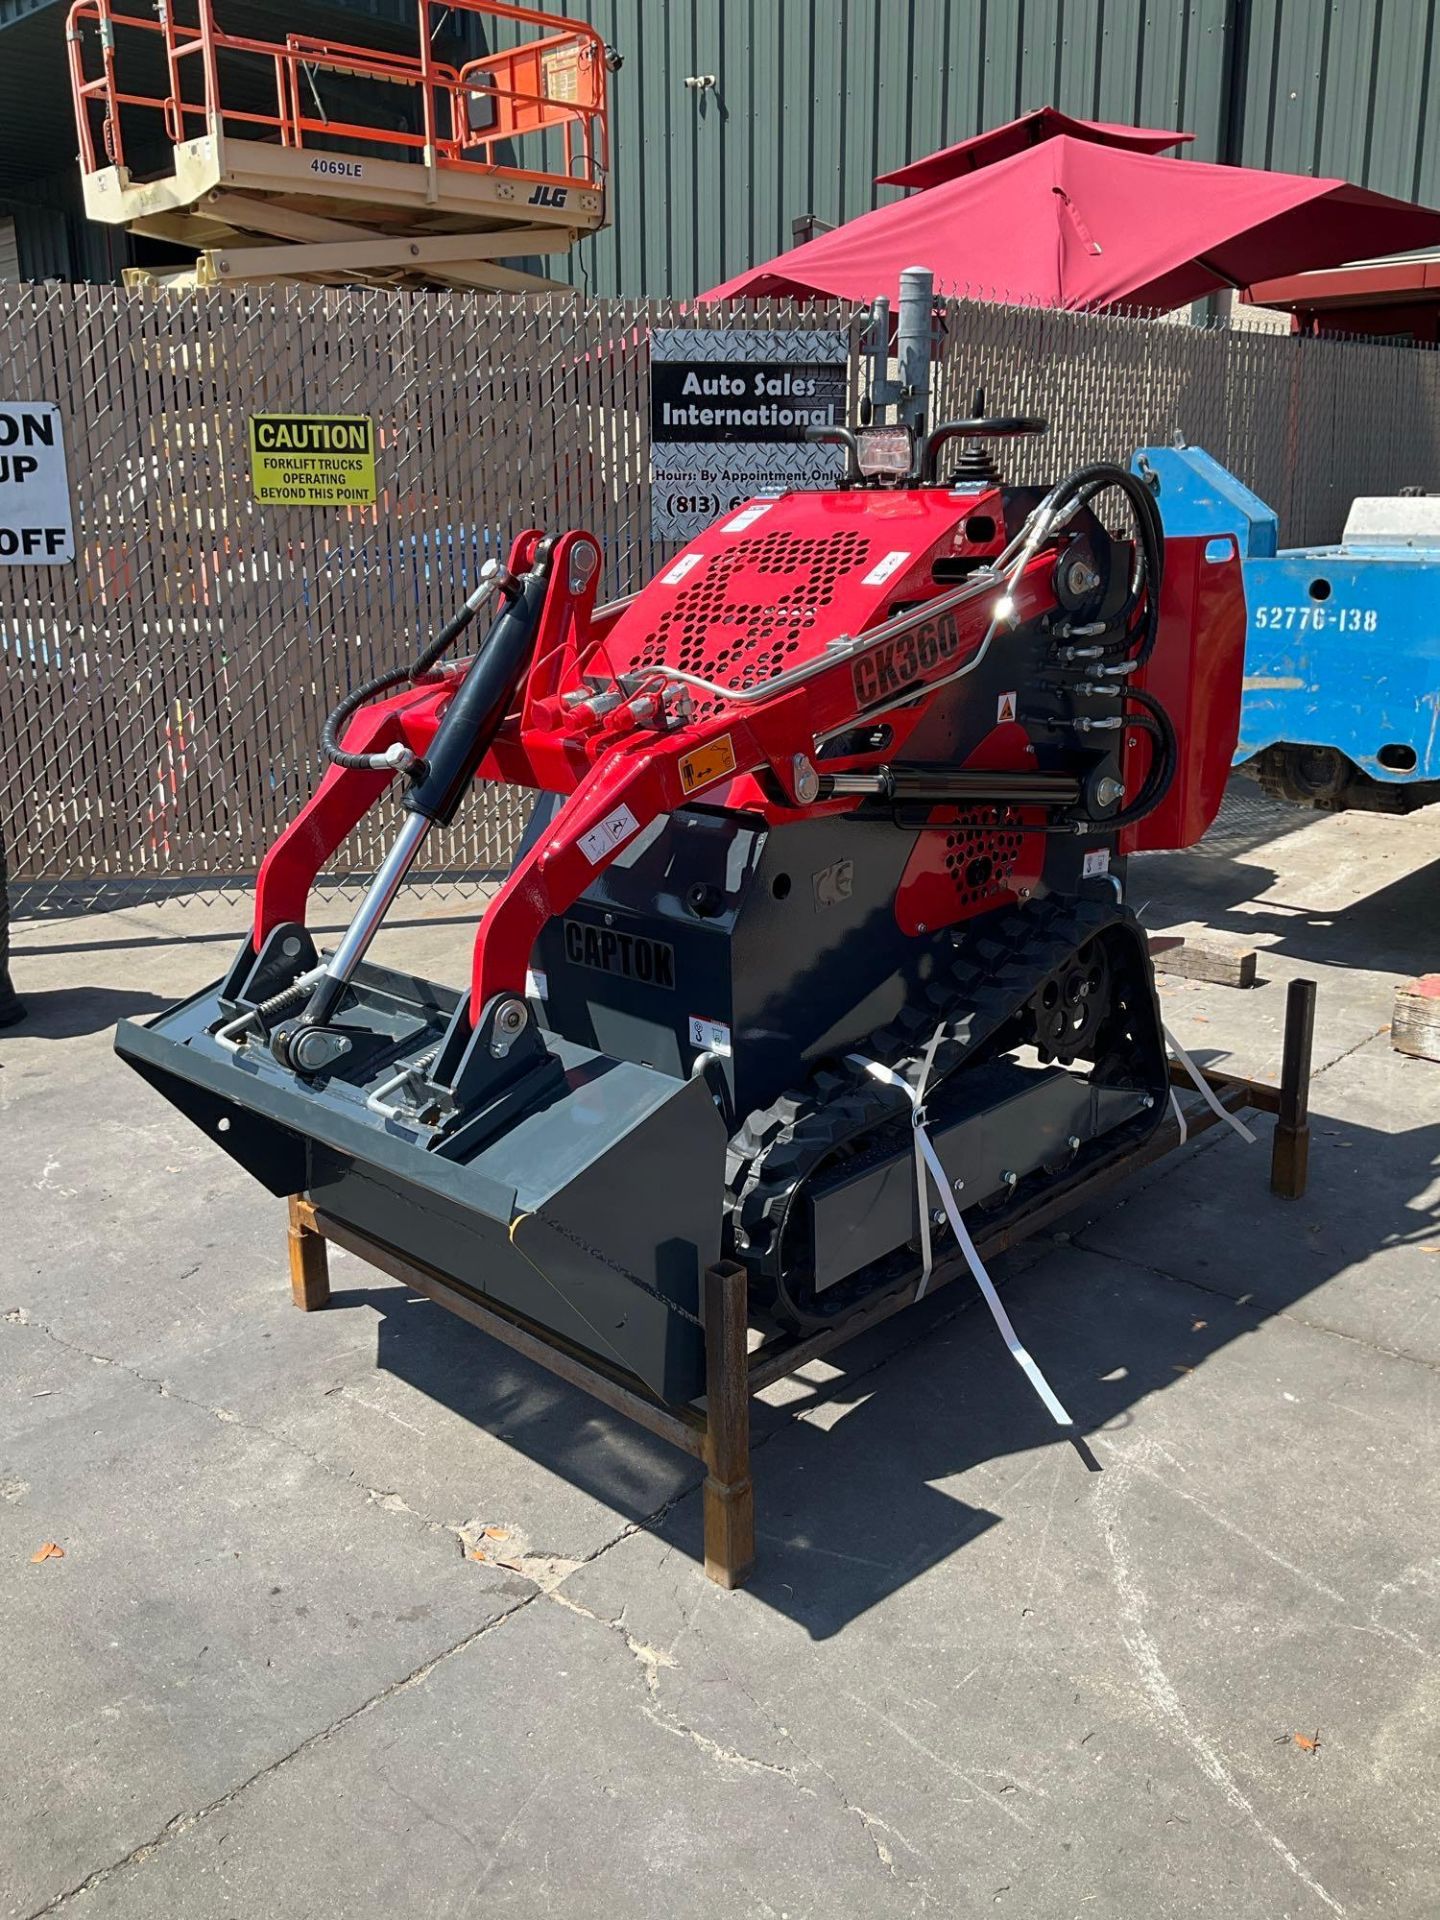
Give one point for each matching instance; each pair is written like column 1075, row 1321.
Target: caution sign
column 560, row 73
column 37, row 527
column 312, row 459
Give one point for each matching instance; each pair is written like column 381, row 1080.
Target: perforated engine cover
column 769, row 586
column 986, row 857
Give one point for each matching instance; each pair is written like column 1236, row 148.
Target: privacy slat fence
column 162, row 697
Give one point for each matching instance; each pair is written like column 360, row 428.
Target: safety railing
column 460, row 118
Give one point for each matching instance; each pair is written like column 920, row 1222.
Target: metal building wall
column 54, row 240
column 1349, row 87
column 815, row 97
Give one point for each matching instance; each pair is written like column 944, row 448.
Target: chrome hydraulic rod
column 941, row 786
column 471, row 719
column 381, row 891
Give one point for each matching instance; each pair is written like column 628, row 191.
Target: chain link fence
column 161, row 700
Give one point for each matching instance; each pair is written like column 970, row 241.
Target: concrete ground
column 269, row 1677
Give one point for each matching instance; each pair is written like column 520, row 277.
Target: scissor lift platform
column 501, row 158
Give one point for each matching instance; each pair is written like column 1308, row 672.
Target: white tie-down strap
column 927, row 1167
column 1205, row 1090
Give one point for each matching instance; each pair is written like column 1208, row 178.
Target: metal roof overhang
column 1369, row 283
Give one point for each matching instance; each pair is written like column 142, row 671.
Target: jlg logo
column 890, row 668
column 549, row 196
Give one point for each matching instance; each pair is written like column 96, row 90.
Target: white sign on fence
column 729, row 413
column 37, row 528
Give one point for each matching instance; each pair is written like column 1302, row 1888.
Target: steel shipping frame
column 717, row 1431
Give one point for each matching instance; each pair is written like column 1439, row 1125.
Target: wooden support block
column 1415, row 1022
column 1223, row 961
column 309, row 1263
column 728, row 1494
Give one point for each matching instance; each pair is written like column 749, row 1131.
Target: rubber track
column 989, row 981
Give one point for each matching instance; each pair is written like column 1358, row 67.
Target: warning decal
column 312, row 459
column 713, row 1034
column 704, row 764
column 881, row 572
column 748, row 517
column 613, row 831
column 1004, row 708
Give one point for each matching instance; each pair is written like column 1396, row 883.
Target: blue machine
column 1342, row 657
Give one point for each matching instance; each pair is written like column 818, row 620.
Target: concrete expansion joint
column 1357, row 1046
column 878, row 1832
column 183, row 1823
column 1262, row 1315
column 388, row 1502
column 22, row 1317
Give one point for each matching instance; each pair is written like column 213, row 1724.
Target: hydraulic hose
column 1153, row 551
column 492, row 576
column 1138, row 643
column 1085, row 485
column 1164, row 762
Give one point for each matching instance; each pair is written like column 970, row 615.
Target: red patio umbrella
column 1071, row 223
column 998, row 143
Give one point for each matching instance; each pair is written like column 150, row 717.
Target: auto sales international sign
column 730, row 411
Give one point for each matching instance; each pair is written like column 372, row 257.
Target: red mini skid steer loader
column 816, row 952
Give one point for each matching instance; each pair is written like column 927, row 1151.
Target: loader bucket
column 592, row 1212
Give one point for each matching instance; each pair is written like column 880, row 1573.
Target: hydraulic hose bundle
column 1126, row 656
column 492, row 575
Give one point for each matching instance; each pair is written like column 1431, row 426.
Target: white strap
column 1205, row 1090
column 915, row 1096
column 922, row 1198
column 986, row 1285
column 927, row 1160
column 1179, row 1113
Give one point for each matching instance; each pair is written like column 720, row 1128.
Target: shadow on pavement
column 1396, row 929
column 853, row 1506
column 63, row 1013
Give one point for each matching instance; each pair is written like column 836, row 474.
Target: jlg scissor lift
column 306, row 159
